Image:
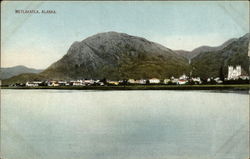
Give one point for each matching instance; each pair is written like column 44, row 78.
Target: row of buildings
column 55, row 83
column 233, row 74
column 87, row 82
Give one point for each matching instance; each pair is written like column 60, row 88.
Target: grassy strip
column 144, row 87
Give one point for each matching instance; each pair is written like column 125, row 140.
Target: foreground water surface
column 78, row 124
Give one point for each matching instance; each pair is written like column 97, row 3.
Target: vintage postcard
column 124, row 80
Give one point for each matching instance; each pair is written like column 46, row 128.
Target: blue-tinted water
column 75, row 124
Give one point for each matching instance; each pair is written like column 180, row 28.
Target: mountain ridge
column 8, row 72
column 204, row 48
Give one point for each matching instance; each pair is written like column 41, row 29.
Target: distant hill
column 215, row 63
column 201, row 49
column 9, row 72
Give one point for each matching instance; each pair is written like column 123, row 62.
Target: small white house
column 53, row 83
column 31, row 84
column 77, row 83
column 141, row 81
column 131, row 81
column 88, row 81
column 154, row 81
column 183, row 77
column 197, row 80
column 218, row 80
column 166, row 81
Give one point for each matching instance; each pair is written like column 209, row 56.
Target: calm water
column 75, row 124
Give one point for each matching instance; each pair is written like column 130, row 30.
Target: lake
column 80, row 124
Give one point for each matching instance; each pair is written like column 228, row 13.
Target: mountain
column 201, row 49
column 8, row 72
column 115, row 56
column 215, row 63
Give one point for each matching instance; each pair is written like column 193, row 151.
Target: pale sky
column 38, row 40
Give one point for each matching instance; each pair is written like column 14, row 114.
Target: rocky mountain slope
column 115, row 55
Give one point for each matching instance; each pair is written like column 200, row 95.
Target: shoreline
column 143, row 87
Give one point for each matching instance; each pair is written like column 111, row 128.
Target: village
column 234, row 74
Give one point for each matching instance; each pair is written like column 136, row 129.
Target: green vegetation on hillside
column 215, row 64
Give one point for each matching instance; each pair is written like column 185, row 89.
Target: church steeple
column 234, row 73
